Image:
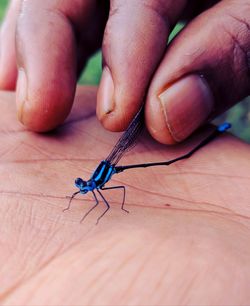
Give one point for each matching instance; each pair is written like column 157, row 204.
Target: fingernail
column 21, row 93
column 186, row 104
column 106, row 92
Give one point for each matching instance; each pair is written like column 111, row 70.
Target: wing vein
column 128, row 139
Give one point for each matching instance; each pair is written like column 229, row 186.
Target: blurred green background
column 239, row 115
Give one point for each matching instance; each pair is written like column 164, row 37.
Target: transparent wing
column 128, row 139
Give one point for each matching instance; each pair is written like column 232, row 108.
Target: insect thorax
column 102, row 174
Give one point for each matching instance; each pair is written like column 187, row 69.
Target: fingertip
column 175, row 112
column 105, row 100
column 8, row 75
column 42, row 110
column 113, row 115
column 42, row 119
column 47, row 68
column 8, row 70
column 117, row 120
column 128, row 43
column 155, row 121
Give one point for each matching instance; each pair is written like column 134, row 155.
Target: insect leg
column 124, row 194
column 107, row 204
column 96, row 203
column 71, row 198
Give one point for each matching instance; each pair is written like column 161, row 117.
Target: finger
column 8, row 70
column 204, row 72
column 47, row 37
column 134, row 42
column 195, row 7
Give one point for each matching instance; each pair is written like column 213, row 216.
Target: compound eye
column 80, row 183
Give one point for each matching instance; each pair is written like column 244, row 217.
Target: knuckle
column 238, row 29
column 158, row 9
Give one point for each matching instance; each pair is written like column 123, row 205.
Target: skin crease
column 185, row 241
column 133, row 34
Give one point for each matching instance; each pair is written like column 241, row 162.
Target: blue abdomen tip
column 224, row 126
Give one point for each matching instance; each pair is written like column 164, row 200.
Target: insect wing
column 128, row 139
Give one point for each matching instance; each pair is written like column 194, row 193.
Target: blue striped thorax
column 100, row 177
column 103, row 173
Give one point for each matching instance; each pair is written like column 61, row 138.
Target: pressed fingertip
column 111, row 117
column 105, row 98
column 186, row 105
column 42, row 110
column 8, row 71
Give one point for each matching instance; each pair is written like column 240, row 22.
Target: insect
column 108, row 167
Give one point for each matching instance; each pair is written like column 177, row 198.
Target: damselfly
column 108, row 167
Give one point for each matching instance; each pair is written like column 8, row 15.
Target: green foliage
column 176, row 30
column 239, row 115
column 3, row 6
column 93, row 70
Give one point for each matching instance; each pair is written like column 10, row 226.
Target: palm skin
column 185, row 241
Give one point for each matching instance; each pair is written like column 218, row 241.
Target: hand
column 185, row 241
column 203, row 72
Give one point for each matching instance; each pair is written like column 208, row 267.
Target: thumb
column 204, row 72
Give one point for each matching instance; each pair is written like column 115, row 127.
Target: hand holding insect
column 202, row 73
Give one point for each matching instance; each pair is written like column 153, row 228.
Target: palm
column 186, row 239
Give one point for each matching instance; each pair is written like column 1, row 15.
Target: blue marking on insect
column 108, row 167
column 224, row 126
column 100, row 177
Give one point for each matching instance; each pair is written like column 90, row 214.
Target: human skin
column 185, row 241
column 203, row 72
